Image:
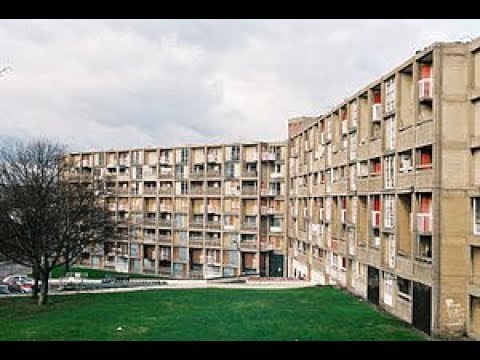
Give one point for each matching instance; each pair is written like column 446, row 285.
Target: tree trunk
column 42, row 300
column 35, row 286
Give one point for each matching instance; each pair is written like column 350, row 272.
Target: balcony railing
column 212, row 241
column 165, row 190
column 275, row 229
column 211, row 190
column 249, row 191
column 268, row 156
column 164, row 208
column 377, row 112
column 149, row 221
column 197, row 190
column 196, row 224
column 213, row 174
column 249, row 245
column 375, row 218
column 164, row 223
column 275, row 175
column 214, row 224
column 425, row 89
column 196, row 241
column 269, row 192
column 424, row 223
column 249, row 226
column 166, row 175
column 229, row 227
column 213, row 158
column 150, row 191
column 197, row 175
column 165, row 239
column 249, row 173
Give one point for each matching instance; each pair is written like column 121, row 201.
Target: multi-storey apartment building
column 193, row 211
column 384, row 196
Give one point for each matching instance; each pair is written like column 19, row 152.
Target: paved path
column 188, row 284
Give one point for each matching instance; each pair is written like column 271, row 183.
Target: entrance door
column 373, row 291
column 422, row 307
column 275, row 265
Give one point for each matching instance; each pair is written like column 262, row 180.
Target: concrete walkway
column 184, row 284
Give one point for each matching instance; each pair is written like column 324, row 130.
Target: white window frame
column 389, row 172
column 389, row 211
column 476, row 207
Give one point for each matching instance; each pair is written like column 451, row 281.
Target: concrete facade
column 382, row 191
column 380, row 196
column 193, row 211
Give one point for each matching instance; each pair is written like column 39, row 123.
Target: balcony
column 165, row 239
column 165, row 175
column 196, row 224
column 276, row 229
column 120, row 191
column 165, row 223
column 213, row 158
column 196, row 241
column 269, row 192
column 164, row 208
column 424, row 223
column 276, row 176
column 212, row 190
column 149, row 221
column 211, row 241
column 214, row 224
column 249, row 245
column 377, row 112
column 148, row 238
column 266, row 247
column 249, row 226
column 249, row 191
column 249, row 173
column 213, row 174
column 425, row 89
column 197, row 175
column 165, row 190
column 229, row 227
column 150, row 191
column 375, row 218
column 164, row 160
column 268, row 156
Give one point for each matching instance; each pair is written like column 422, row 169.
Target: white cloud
column 122, row 83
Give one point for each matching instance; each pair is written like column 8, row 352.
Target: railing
column 213, row 158
column 212, row 209
column 214, row 190
column 164, row 208
column 120, row 191
column 197, row 175
column 268, row 156
column 165, row 270
column 249, row 226
column 214, row 224
column 375, row 218
column 167, row 175
column 229, row 227
column 425, row 88
column 266, row 247
column 212, row 242
column 249, row 191
column 163, row 222
column 213, row 174
column 196, row 190
column 165, row 190
column 275, row 229
column 149, row 238
column 149, row 221
column 246, row 173
column 275, row 175
column 150, row 191
column 424, row 222
column 197, row 241
column 377, row 112
column 196, row 224
column 268, row 192
column 165, row 239
column 249, row 245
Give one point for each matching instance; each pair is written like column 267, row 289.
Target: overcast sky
column 123, row 83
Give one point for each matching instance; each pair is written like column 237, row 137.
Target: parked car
column 19, row 279
column 4, row 289
column 12, row 288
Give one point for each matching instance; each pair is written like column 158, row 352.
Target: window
column 376, row 167
column 389, row 211
column 389, row 172
column 183, row 187
column 353, row 145
column 425, row 247
column 235, row 153
column 344, row 142
column 354, row 113
column 406, row 165
column 390, row 93
column 362, row 169
column 390, row 128
column 404, row 288
column 424, row 157
column 476, row 216
column 388, row 288
column 136, row 157
column 184, row 156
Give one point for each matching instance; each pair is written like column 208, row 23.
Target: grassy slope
column 97, row 274
column 201, row 314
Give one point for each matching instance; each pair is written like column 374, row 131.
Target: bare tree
column 46, row 220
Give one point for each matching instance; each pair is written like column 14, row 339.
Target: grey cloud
column 121, row 83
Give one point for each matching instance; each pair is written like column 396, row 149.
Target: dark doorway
column 422, row 307
column 373, row 293
column 275, row 265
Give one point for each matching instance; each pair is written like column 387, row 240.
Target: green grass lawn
column 97, row 274
column 202, row 314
